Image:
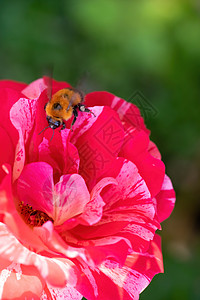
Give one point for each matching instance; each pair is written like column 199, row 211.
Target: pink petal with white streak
column 12, row 219
column 35, row 187
column 66, row 293
column 55, row 243
column 70, row 197
column 138, row 271
column 56, row 271
column 99, row 144
column 94, row 208
column 122, row 282
column 34, row 89
column 130, row 185
column 61, row 202
column 128, row 214
column 135, row 148
column 7, row 151
column 165, row 200
column 127, row 112
column 22, row 116
column 20, row 283
column 153, row 150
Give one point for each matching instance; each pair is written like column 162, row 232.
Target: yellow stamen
column 32, row 216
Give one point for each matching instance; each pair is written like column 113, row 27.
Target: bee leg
column 63, row 126
column 85, row 109
column 75, row 113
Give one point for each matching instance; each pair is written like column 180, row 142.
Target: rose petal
column 17, row 283
column 64, row 201
column 165, row 200
column 150, row 168
column 153, row 150
column 150, row 263
column 35, row 187
column 7, row 98
column 22, row 116
column 71, row 196
column 12, row 219
column 56, row 271
column 94, row 208
column 55, row 243
column 130, row 185
column 55, row 138
column 7, row 151
column 57, row 85
column 98, row 144
column 129, row 212
column 138, row 271
column 153, row 172
column 34, row 89
column 102, row 249
column 84, row 122
column 11, row 84
column 111, row 281
column 122, row 282
column 67, row 293
column 72, row 160
column 60, row 154
column 127, row 112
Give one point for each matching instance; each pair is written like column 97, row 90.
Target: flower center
column 32, row 216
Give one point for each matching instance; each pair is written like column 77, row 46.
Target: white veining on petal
column 3, row 277
column 17, row 268
column 91, row 278
column 130, row 185
column 140, row 231
column 22, row 116
column 115, row 102
column 123, row 109
column 130, row 280
column 5, row 273
column 70, row 197
column 34, row 89
column 79, row 129
column 66, row 293
column 167, row 185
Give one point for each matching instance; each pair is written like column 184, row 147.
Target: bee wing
column 80, row 86
column 48, row 81
column 83, row 82
column 73, row 98
column 71, row 102
column 49, row 87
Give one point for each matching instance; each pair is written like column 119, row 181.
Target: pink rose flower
column 78, row 213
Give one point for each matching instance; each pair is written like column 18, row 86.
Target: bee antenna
column 43, row 129
column 52, row 136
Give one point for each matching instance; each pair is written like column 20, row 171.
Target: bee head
column 53, row 123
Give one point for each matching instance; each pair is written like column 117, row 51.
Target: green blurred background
column 146, row 48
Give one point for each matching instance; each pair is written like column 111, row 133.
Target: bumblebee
column 64, row 105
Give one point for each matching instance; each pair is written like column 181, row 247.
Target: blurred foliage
column 150, row 46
